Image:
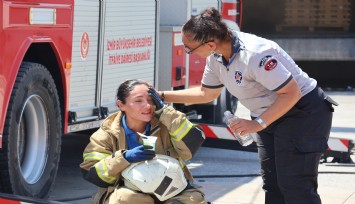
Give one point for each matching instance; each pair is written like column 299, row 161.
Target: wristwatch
column 261, row 122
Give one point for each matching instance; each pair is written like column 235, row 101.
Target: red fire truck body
column 61, row 63
column 19, row 31
column 35, row 57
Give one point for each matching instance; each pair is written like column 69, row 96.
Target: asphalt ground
column 227, row 176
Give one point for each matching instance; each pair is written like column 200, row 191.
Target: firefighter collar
column 131, row 136
column 236, row 47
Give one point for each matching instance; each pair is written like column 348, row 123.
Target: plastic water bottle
column 244, row 140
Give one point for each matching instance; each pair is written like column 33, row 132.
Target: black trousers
column 290, row 150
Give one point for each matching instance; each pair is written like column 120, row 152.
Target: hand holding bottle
column 244, row 140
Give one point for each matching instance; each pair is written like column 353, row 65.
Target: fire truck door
column 129, row 46
column 83, row 94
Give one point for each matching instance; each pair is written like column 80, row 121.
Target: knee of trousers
column 126, row 196
column 297, row 183
column 195, row 196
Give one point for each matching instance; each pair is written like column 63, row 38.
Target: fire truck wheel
column 226, row 101
column 32, row 135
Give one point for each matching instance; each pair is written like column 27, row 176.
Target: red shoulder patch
column 270, row 64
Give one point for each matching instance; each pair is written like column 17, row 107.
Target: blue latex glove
column 138, row 154
column 159, row 104
column 156, row 99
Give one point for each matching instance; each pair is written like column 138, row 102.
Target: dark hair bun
column 211, row 13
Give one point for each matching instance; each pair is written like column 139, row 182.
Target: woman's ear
column 212, row 45
column 120, row 105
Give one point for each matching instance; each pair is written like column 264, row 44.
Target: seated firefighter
column 125, row 170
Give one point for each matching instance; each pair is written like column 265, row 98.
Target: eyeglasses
column 189, row 50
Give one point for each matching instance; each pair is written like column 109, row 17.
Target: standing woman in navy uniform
column 290, row 113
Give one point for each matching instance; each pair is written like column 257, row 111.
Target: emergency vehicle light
column 68, row 65
column 43, row 16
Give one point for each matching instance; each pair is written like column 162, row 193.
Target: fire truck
column 61, row 63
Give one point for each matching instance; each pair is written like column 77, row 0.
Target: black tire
column 32, row 134
column 226, row 101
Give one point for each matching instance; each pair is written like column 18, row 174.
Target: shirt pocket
column 330, row 102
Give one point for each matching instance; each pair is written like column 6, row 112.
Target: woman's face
column 201, row 49
column 139, row 105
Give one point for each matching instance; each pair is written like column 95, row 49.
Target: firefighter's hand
column 140, row 153
column 159, row 104
column 244, row 127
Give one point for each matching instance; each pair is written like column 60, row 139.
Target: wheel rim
column 33, row 139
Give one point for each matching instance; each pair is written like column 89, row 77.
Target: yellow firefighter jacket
column 103, row 156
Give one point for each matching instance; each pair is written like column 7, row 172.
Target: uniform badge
column 238, row 77
column 270, row 64
column 264, row 60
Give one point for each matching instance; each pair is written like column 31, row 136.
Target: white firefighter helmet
column 161, row 176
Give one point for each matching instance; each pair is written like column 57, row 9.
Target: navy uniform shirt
column 255, row 71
